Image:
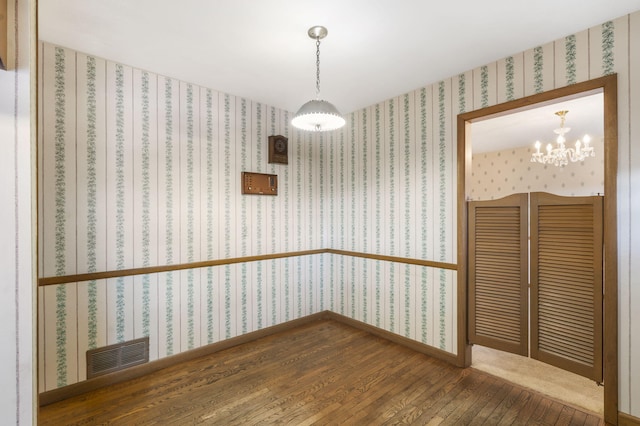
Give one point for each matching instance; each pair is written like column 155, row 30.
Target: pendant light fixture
column 317, row 115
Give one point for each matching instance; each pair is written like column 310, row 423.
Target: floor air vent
column 117, row 357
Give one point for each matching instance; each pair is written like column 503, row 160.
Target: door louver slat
column 498, row 312
column 566, row 282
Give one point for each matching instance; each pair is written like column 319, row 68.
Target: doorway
column 558, row 318
column 608, row 87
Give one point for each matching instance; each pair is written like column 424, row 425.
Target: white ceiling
column 376, row 49
column 524, row 128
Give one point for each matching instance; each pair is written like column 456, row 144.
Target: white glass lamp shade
column 318, row 116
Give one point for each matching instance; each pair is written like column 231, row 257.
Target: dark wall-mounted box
column 259, row 183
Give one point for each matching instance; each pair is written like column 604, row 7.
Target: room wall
column 17, row 273
column 137, row 170
column 393, row 162
column 385, row 184
column 401, row 180
column 500, row 173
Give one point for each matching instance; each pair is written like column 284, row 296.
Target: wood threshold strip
column 66, row 279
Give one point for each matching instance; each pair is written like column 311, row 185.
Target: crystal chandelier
column 561, row 155
column 318, row 115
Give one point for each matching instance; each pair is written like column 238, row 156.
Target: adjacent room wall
column 17, row 278
column 498, row 174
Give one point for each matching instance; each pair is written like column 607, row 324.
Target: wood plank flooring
column 324, row 372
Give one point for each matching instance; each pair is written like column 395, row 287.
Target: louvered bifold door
column 566, row 282
column 498, row 262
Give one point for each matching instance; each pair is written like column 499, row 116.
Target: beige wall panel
column 190, row 229
column 255, row 130
column 168, row 215
column 91, row 204
column 510, row 78
column 408, row 190
column 92, row 321
column 463, row 89
column 392, row 177
column 353, row 177
column 444, row 185
column 91, row 145
column 61, row 336
column 428, row 173
column 211, row 214
column 145, row 205
column 59, row 166
column 48, row 359
column 58, row 212
column 119, row 199
column 484, row 86
column 41, row 386
column 211, row 177
column 572, row 59
column 539, row 69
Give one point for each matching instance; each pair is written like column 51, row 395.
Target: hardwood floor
column 324, row 372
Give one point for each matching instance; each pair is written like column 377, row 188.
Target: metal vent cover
column 109, row 359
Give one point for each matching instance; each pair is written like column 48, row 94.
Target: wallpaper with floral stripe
column 396, row 164
column 137, row 169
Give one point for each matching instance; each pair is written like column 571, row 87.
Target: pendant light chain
column 317, row 68
column 317, row 115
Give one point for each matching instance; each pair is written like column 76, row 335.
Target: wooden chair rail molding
column 66, row 279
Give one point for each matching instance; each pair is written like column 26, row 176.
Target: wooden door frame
column 608, row 86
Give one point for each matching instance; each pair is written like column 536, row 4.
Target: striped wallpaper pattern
column 385, row 183
column 431, row 114
column 91, row 199
column 142, row 170
column 60, row 219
